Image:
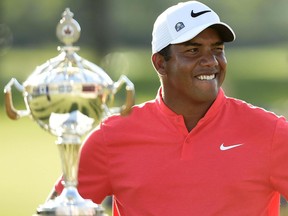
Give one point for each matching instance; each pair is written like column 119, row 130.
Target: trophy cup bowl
column 67, row 96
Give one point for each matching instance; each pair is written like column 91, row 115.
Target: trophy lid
column 67, row 82
column 68, row 66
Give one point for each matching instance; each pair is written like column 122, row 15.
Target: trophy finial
column 68, row 29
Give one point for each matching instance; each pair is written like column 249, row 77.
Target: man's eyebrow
column 219, row 43
column 190, row 43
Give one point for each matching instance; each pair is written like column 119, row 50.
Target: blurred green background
column 116, row 35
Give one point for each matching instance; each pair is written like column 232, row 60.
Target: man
column 192, row 150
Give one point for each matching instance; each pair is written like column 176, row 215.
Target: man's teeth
column 206, row 77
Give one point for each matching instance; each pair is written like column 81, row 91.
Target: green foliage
column 130, row 21
column 259, row 75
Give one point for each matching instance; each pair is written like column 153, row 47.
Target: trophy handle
column 130, row 94
column 10, row 110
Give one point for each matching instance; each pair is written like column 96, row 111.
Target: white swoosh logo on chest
column 224, row 148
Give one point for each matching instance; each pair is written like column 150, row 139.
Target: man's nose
column 209, row 59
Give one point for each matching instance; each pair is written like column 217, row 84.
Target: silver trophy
column 68, row 96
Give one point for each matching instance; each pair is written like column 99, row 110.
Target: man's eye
column 194, row 50
column 219, row 49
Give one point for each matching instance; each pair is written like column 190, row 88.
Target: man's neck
column 191, row 112
column 192, row 117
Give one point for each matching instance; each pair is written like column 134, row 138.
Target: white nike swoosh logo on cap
column 224, row 148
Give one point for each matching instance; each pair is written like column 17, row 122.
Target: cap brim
column 225, row 32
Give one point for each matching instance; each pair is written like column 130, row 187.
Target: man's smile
column 206, row 77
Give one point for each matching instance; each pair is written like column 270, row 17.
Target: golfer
column 192, row 150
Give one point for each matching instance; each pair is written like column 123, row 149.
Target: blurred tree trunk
column 96, row 24
column 1, row 11
column 5, row 34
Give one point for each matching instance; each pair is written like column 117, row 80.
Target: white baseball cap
column 184, row 21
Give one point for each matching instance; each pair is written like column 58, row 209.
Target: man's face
column 196, row 69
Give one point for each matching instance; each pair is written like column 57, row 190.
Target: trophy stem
column 69, row 146
column 70, row 202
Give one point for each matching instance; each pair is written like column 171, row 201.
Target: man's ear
column 159, row 63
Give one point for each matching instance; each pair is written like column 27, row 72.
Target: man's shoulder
column 247, row 109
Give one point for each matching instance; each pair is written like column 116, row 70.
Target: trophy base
column 85, row 209
column 66, row 205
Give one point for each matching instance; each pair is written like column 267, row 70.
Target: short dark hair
column 165, row 52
